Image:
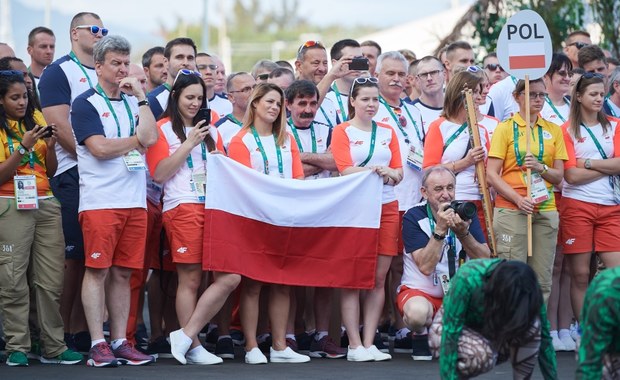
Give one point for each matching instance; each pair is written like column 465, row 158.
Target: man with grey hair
column 239, row 87
column 437, row 241
column 261, row 69
column 113, row 126
column 612, row 103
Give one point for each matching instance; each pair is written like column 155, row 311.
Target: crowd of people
column 103, row 171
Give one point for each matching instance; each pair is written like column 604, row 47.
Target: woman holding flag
column 509, row 157
column 263, row 144
column 358, row 145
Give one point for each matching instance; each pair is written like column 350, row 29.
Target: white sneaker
column 255, row 356
column 287, row 356
column 179, row 345
column 198, row 355
column 557, row 343
column 359, row 354
column 568, row 342
column 574, row 331
column 378, row 355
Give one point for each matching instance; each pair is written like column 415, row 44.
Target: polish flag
column 294, row 232
column 526, row 55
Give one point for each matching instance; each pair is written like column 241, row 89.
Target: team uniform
column 427, row 113
column 504, row 103
column 489, row 123
column 611, row 108
column 327, row 114
column 353, row 147
column 487, row 108
column 313, row 139
column 62, row 82
column 221, row 105
column 555, row 114
column 112, row 197
column 184, row 197
column 591, row 213
column 228, row 126
column 341, row 100
column 158, row 99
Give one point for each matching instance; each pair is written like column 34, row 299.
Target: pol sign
column 524, row 46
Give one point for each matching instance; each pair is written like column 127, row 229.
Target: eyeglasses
column 535, row 95
column 309, row 44
column 245, row 89
column 474, row 69
column 186, row 72
column 564, row 73
column 94, row 29
column 204, row 67
column 11, row 73
column 262, row 77
column 578, row 45
column 362, row 80
column 432, row 74
column 493, row 67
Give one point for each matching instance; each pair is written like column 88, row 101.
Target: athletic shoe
column 237, row 337
column 82, row 341
column 265, row 345
column 420, row 349
column 141, row 336
column 199, row 355
column 326, row 348
column 159, row 348
column 378, row 355
column 568, row 342
column 17, row 359
column 574, row 331
column 403, row 345
column 287, row 356
column 255, row 356
column 35, row 350
column 67, row 357
column 211, row 339
column 100, row 355
column 378, row 342
column 224, row 348
column 359, row 354
column 292, row 343
column 69, row 342
column 304, row 341
column 127, row 354
column 179, row 345
column 557, row 343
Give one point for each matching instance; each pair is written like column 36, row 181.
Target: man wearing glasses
column 430, row 81
column 179, row 53
column 239, row 88
column 574, row 42
column 209, row 68
column 61, row 82
column 494, row 70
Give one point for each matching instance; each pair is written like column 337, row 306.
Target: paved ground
column 401, row 367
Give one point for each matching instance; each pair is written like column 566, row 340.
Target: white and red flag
column 308, row 233
column 526, row 55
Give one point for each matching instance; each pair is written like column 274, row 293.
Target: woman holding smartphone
column 264, row 145
column 375, row 148
column 178, row 161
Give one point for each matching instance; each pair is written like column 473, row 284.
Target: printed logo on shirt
column 69, row 248
column 95, row 255
column 547, row 135
column 582, row 140
column 182, row 250
column 570, row 241
column 83, row 80
column 105, row 114
column 385, row 142
column 358, row 142
column 385, row 120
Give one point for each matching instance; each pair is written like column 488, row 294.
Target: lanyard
column 326, row 118
column 455, row 135
column 340, row 105
column 189, row 160
column 371, row 150
column 75, row 59
column 402, row 130
column 451, row 240
column 598, row 145
column 611, row 108
column 262, row 152
column 129, row 114
column 167, row 86
column 11, row 149
column 541, row 145
column 296, row 135
column 553, row 108
column 232, row 118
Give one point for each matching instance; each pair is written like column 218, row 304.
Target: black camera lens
column 466, row 210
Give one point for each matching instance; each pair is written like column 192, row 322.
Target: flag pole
column 529, row 171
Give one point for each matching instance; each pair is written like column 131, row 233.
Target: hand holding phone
column 203, row 114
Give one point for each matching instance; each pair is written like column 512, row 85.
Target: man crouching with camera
column 438, row 235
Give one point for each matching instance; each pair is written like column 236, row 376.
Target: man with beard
column 154, row 68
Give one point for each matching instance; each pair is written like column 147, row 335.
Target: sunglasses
column 564, row 73
column 210, row 67
column 474, row 69
column 262, row 77
column 309, row 44
column 363, row 80
column 578, row 45
column 186, row 72
column 493, row 67
column 12, row 73
column 245, row 89
column 94, row 29
column 535, row 95
column 432, row 74
column 589, row 75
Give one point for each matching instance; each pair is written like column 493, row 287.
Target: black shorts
column 66, row 188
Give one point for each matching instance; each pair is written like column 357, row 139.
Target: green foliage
column 607, row 13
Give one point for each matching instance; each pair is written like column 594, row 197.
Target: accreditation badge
column 199, row 185
column 134, row 161
column 614, row 181
column 539, row 192
column 444, row 280
column 26, row 197
column 415, row 158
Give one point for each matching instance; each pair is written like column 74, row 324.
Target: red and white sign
column 527, row 55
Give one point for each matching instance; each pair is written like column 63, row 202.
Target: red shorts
column 388, row 229
column 114, row 237
column 558, row 205
column 588, row 227
column 405, row 294
column 184, row 227
column 154, row 240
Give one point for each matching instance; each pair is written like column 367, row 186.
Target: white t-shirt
column 326, row 114
column 559, row 115
column 341, row 100
column 221, row 105
column 227, row 128
column 428, row 113
column 322, row 135
column 504, row 102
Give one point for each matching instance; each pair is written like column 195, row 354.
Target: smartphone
column 49, row 132
column 203, row 114
column 359, row 64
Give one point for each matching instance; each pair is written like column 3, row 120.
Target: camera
column 49, row 132
column 203, row 114
column 466, row 210
column 359, row 64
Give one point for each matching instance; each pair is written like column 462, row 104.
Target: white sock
column 319, row 335
column 212, row 326
column 93, row 343
column 116, row 343
column 262, row 337
column 564, row 333
column 553, row 333
column 290, row 336
column 222, row 337
column 402, row 333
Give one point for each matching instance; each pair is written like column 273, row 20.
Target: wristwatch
column 438, row 237
column 587, row 164
column 21, row 149
column 545, row 169
column 144, row 102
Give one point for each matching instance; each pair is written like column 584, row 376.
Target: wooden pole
column 529, row 171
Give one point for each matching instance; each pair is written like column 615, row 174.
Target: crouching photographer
column 438, row 235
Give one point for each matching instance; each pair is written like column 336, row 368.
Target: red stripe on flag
column 527, row 62
column 340, row 257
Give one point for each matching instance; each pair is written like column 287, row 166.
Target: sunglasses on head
column 186, row 72
column 494, row 66
column 94, row 29
column 309, row 44
column 578, row 45
column 589, row 75
column 11, row 73
column 363, row 80
column 474, row 69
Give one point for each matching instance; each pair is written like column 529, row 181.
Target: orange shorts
column 156, row 242
column 114, row 237
column 184, row 227
column 558, row 205
column 588, row 227
column 405, row 294
column 388, row 229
